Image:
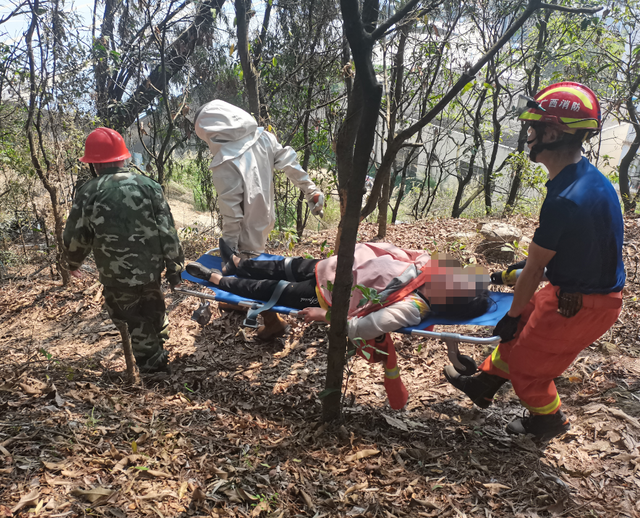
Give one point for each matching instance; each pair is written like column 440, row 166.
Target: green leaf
column 274, row 61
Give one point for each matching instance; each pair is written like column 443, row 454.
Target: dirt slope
column 235, row 430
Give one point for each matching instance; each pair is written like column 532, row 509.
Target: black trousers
column 258, row 279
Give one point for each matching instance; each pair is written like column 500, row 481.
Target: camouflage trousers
column 143, row 310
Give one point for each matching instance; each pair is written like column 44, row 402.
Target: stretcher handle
column 453, row 352
column 241, row 303
column 195, row 293
column 217, row 250
column 251, row 303
column 457, row 337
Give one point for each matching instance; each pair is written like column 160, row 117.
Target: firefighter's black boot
column 544, row 427
column 480, row 388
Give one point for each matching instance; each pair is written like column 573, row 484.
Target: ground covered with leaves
column 235, row 430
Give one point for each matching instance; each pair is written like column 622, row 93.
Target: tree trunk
column 249, row 71
column 383, row 210
column 497, row 133
column 465, row 179
column 369, row 94
column 394, row 103
column 517, row 177
column 43, row 172
column 628, row 202
column 396, row 207
column 533, row 83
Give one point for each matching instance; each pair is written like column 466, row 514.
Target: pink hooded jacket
column 374, row 266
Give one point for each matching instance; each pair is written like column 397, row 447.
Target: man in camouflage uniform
column 124, row 219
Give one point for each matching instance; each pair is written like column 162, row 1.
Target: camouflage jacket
column 124, row 218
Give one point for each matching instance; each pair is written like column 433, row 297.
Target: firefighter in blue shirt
column 579, row 242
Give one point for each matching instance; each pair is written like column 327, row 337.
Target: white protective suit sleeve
column 405, row 313
column 286, row 160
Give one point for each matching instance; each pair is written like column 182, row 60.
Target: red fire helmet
column 104, row 145
column 570, row 105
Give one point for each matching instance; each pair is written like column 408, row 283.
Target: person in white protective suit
column 245, row 157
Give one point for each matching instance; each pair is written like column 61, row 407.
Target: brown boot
column 273, row 327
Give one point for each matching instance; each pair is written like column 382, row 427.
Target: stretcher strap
column 256, row 309
column 287, row 269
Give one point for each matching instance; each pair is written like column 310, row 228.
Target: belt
column 602, row 300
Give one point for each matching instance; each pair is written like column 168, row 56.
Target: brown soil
column 235, row 429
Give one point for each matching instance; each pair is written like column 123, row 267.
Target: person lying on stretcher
column 408, row 283
column 447, row 287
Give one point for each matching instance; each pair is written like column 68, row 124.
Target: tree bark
column 249, row 71
column 369, row 93
column 36, row 143
column 629, row 202
column 517, row 177
column 394, row 102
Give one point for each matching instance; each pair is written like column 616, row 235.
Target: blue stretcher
column 463, row 364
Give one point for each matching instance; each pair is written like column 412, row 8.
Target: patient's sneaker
column 227, row 253
column 544, row 427
column 273, row 327
column 200, row 271
column 480, row 388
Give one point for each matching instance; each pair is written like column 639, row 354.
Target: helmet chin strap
column 566, row 140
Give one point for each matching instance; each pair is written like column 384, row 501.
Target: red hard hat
column 104, row 145
column 570, row 105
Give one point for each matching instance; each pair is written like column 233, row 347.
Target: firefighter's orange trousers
column 546, row 343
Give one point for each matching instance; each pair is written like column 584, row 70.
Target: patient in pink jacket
column 448, row 289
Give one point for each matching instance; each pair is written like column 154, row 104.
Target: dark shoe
column 201, row 272
column 273, row 327
column 163, row 368
column 159, row 362
column 226, row 254
column 544, row 427
column 480, row 388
